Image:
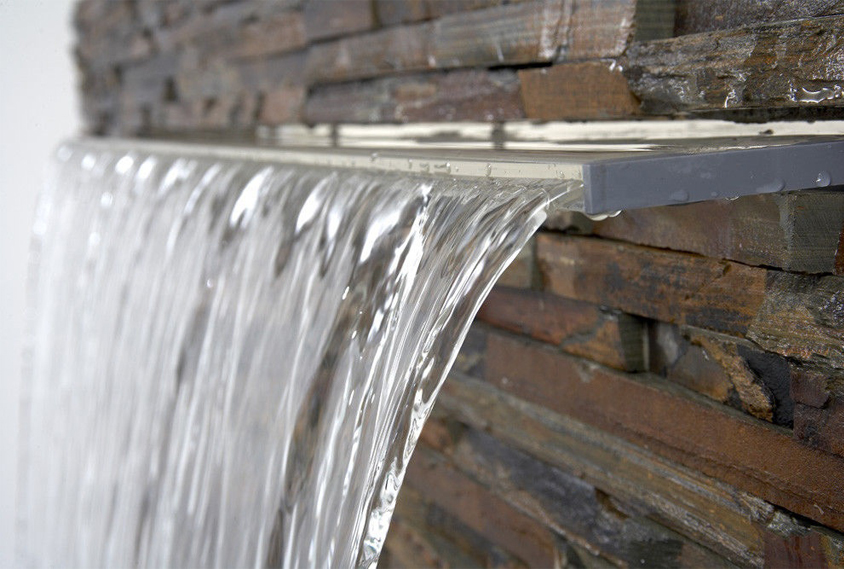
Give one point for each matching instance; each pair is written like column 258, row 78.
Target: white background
column 38, row 107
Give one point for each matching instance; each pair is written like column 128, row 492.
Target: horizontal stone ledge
column 606, row 336
column 747, row 453
column 695, row 16
column 564, row 502
column 794, row 64
column 790, row 314
column 797, row 231
column 730, row 521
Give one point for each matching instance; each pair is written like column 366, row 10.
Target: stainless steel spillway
column 616, row 166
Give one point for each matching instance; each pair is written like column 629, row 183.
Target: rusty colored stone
column 282, row 105
column 584, row 90
column 430, row 97
column 481, row 510
column 729, row 521
column 572, row 507
column 384, row 52
column 731, row 447
column 797, row 231
column 671, row 287
column 326, row 19
column 581, row 329
column 724, row 368
column 793, row 64
column 821, row 426
column 694, row 16
column 793, row 315
column 279, row 33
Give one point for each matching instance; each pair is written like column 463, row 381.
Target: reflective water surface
column 231, row 361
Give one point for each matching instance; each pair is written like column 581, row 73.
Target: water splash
column 232, row 360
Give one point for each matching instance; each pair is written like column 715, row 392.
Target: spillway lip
column 613, row 169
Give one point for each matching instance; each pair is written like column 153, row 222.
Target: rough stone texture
column 468, row 94
column 794, row 315
column 585, row 90
column 694, row 16
column 639, row 395
column 798, row 231
column 787, row 64
column 150, row 66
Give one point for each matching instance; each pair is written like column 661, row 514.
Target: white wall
column 38, row 107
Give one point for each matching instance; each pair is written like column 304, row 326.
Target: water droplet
column 123, row 165
column 771, row 187
column 89, row 161
column 64, row 153
column 106, row 200
column 373, row 157
column 823, row 179
column 488, row 170
column 679, row 196
column 603, row 216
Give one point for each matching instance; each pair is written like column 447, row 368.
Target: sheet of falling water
column 231, row 361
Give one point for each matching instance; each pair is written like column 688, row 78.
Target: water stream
column 231, row 360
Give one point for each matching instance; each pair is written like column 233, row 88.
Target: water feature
column 231, row 360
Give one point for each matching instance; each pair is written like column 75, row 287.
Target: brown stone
column 578, row 328
column 438, row 538
column 671, row 287
column 793, row 64
column 819, row 414
column 584, row 91
column 572, row 507
column 274, row 34
column 282, row 105
column 456, row 95
column 747, row 453
column 724, row 368
column 522, row 271
column 811, row 386
column 793, row 315
column 694, row 16
column 384, row 52
column 598, row 28
column 729, row 521
column 802, row 317
column 435, row 479
column 326, row 19
column 797, row 231
column 392, row 12
column 502, row 35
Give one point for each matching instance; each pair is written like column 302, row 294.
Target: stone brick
column 606, row 336
column 741, row 451
column 800, row 316
column 731, row 522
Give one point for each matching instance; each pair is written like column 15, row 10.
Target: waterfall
column 231, row 360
